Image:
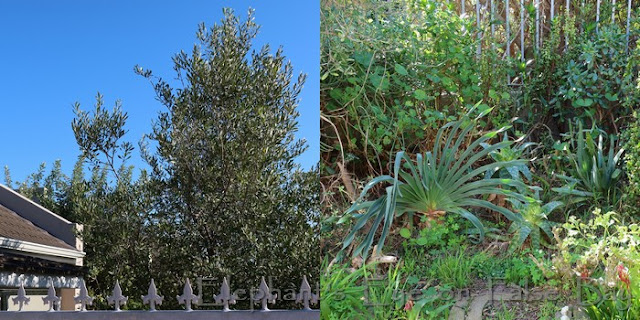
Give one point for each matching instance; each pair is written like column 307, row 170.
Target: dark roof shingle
column 15, row 227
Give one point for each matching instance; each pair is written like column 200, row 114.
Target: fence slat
column 628, row 21
column 116, row 298
column 522, row 9
column 187, row 298
column 508, row 34
column 492, row 18
column 566, row 36
column 83, row 297
column 265, row 295
column 51, row 299
column 153, row 297
column 478, row 18
column 597, row 14
column 21, row 299
column 537, row 7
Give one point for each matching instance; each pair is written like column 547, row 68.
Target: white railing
column 262, row 296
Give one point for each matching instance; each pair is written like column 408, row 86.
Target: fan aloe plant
column 595, row 172
column 444, row 180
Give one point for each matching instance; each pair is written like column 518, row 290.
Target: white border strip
column 38, row 248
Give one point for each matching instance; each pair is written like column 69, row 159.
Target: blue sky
column 54, row 53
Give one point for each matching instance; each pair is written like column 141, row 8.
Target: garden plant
column 462, row 151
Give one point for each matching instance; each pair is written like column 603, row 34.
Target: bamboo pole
column 613, row 11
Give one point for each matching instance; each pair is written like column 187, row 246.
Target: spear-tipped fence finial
column 187, row 298
column 83, row 298
column 305, row 296
column 264, row 295
column 21, row 299
column 153, row 297
column 116, row 298
column 51, row 297
column 225, row 297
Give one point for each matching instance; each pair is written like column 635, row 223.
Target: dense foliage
column 224, row 195
column 396, row 79
column 224, row 163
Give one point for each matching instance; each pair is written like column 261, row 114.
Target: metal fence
column 510, row 22
column 508, row 12
column 263, row 296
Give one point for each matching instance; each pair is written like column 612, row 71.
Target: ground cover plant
column 451, row 161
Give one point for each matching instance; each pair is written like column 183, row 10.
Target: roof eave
column 37, row 248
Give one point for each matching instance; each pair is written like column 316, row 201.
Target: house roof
column 39, row 216
column 16, row 227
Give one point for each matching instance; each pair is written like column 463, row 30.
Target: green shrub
column 593, row 80
column 392, row 73
column 603, row 251
column 631, row 194
column 598, row 84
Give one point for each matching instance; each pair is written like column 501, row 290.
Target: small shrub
column 596, row 249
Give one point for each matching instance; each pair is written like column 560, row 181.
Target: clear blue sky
column 54, row 53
